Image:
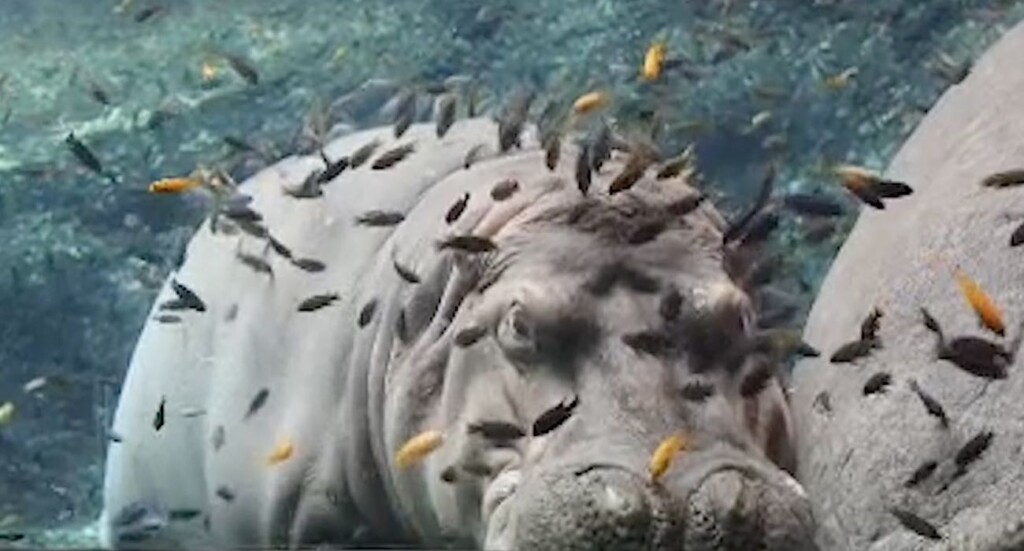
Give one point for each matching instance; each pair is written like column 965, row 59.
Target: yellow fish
column 207, row 71
column 987, row 311
column 662, row 458
column 418, row 447
column 589, row 102
column 654, row 61
column 281, row 453
column 173, row 185
column 842, row 80
column 6, row 414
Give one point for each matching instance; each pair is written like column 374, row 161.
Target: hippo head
column 558, row 363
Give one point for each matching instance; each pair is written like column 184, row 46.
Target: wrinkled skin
column 348, row 397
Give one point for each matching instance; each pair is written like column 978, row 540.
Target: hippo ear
column 516, row 332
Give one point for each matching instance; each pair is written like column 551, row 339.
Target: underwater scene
column 492, row 274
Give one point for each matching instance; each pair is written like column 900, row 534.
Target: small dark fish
column 1006, row 178
column 242, row 67
column 823, row 400
column 629, row 176
column 648, row 231
column 869, row 327
column 311, row 265
column 1017, row 237
column 697, row 391
column 332, row 170
column 225, row 493
column 814, row 204
column 931, row 405
column 972, row 450
column 888, row 189
column 187, row 296
column 977, row 356
column 554, row 417
column 552, row 150
column 393, row 156
column 915, row 524
column 217, row 438
column 877, row 383
column 496, row 430
column 445, row 109
column 760, row 227
column 377, row 218
column 921, row 474
column 600, row 150
column 309, row 188
column 469, row 335
column 406, row 273
column 241, row 213
column 656, row 343
column 183, row 514
column 671, row 305
column 686, row 205
column 255, row 263
column 467, row 243
column 504, row 189
column 363, row 154
column 167, row 318
column 160, row 417
column 472, row 155
column 402, row 327
column 238, row 144
column 741, row 224
column 131, row 514
column 405, row 111
column 257, row 402
column 675, row 166
column 583, row 170
column 930, row 322
column 457, row 208
column 317, row 302
column 149, row 12
column 255, row 229
column 852, row 351
column 757, row 380
column 279, row 247
column 12, row 536
column 98, row 93
column 512, row 119
column 85, row 155
column 367, row 312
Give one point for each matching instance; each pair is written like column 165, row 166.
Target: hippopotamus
column 867, row 451
column 429, row 297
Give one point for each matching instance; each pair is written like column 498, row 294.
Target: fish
column 378, row 218
column 187, row 296
column 317, row 302
column 225, row 493
column 663, row 455
column 823, row 400
column 677, row 165
column 217, row 437
column 552, row 145
column 583, row 170
column 654, row 61
column 697, row 391
column 1004, row 178
column 160, row 417
column 85, row 156
column 401, row 326
column 1017, row 237
column 467, row 243
column 393, row 156
column 167, row 318
column 915, row 524
column 311, row 265
column 367, row 312
column 760, row 228
column 852, row 351
column 600, row 148
column 686, row 205
column 405, row 111
column 418, row 447
column 972, row 450
column 149, row 12
column 877, row 383
column 857, row 183
column 98, row 93
column 281, row 452
column 192, row 413
column 504, row 189
column 842, row 79
column 469, row 335
column 813, row 204
column 757, row 380
column 174, row 185
column 472, row 155
column 921, row 474
column 496, row 430
column 445, row 109
column 869, row 327
column 7, row 411
column 737, row 227
column 12, row 536
column 449, row 475
column 554, row 417
column 655, row 343
column 241, row 66
column 671, row 304
column 239, row 144
column 647, row 231
column 988, row 313
column 258, row 401
column 309, row 188
column 405, row 273
column 630, row 174
column 183, row 514
column 589, row 102
column 930, row 322
column 512, row 119
column 363, row 154
column 255, row 263
column 782, row 343
column 333, row 169
column 931, row 405
column 279, row 247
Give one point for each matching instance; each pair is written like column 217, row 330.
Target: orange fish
column 654, row 61
column 589, row 102
column 417, row 448
column 281, row 453
column 666, row 451
column 987, row 311
column 173, row 185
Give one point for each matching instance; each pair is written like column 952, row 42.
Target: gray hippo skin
column 348, row 396
column 857, row 455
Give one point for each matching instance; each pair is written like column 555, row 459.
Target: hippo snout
column 611, row 507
